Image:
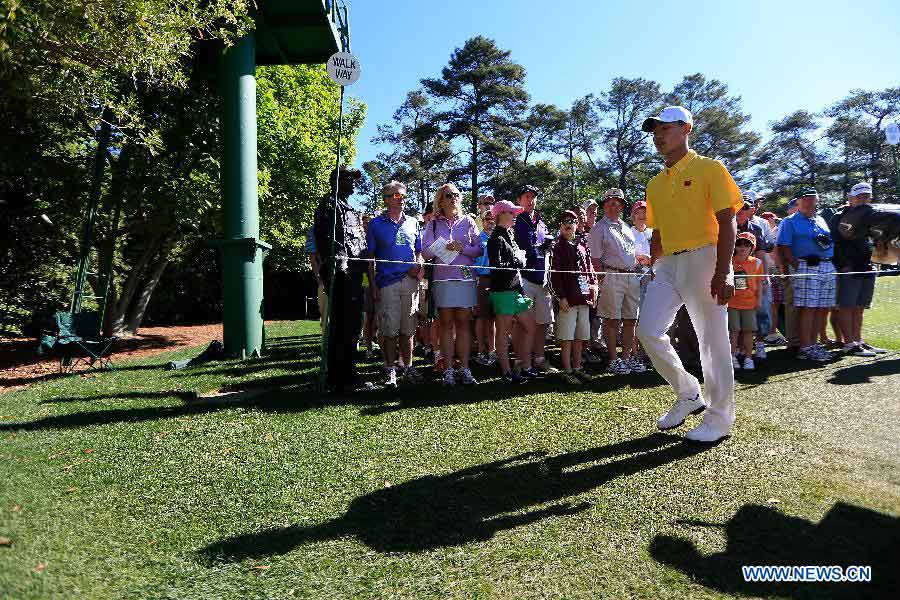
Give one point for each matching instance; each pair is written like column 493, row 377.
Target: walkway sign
column 343, row 68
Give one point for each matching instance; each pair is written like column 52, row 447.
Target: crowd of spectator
column 457, row 289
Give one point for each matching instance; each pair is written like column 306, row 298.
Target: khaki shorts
column 740, row 319
column 542, row 302
column 620, row 297
column 398, row 308
column 574, row 324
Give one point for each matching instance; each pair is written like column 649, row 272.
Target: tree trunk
column 572, row 173
column 142, row 297
column 474, row 164
column 120, row 309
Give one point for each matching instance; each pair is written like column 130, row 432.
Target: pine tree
column 482, row 100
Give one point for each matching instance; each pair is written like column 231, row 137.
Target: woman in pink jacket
column 453, row 288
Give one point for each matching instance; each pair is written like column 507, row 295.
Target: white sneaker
column 704, row 434
column 811, row 353
column 465, row 377
column 635, row 366
column 775, row 339
column 449, row 377
column 679, row 412
column 748, row 364
column 618, row 367
column 822, row 351
column 413, row 376
column 856, row 349
column 760, row 350
column 390, row 378
column 735, row 363
column 873, row 348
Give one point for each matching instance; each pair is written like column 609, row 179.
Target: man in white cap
column 854, row 292
column 691, row 206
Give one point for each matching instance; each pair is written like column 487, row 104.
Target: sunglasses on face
column 568, row 222
column 451, row 194
column 743, row 245
column 394, row 195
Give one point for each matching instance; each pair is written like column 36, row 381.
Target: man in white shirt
column 613, row 251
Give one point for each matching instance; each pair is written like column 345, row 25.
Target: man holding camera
column 806, row 250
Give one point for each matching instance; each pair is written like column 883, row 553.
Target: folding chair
column 77, row 341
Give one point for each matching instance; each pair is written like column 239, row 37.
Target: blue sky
column 778, row 56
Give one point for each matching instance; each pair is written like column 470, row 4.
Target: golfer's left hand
column 720, row 289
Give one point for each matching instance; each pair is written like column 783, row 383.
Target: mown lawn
column 125, row 485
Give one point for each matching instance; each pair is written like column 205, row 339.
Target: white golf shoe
column 705, row 434
column 679, row 412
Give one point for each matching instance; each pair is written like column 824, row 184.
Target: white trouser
column 684, row 279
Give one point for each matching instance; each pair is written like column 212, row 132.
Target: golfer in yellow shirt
column 691, row 206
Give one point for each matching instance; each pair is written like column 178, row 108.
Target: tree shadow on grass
column 161, row 395
column 760, row 535
column 470, row 505
column 864, row 372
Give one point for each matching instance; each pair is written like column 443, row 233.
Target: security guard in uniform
column 346, row 300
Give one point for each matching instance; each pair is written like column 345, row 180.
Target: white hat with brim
column 861, row 188
column 670, row 114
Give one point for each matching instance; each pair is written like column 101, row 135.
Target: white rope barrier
column 598, row 273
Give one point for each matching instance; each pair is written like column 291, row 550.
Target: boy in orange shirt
column 743, row 305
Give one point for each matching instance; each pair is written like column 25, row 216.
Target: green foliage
column 69, row 58
column 720, row 124
column 148, row 69
column 482, row 96
column 297, row 119
column 422, row 157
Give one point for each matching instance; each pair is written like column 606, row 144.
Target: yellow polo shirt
column 682, row 202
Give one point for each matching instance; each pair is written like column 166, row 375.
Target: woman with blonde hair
column 454, row 291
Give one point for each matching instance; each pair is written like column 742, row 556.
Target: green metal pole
column 242, row 251
column 323, row 372
column 91, row 212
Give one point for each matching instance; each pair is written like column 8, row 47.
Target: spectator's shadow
column 469, row 505
column 864, row 372
column 760, row 535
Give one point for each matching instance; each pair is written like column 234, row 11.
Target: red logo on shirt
column 687, row 183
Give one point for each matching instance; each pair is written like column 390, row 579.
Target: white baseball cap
column 669, row 114
column 587, row 203
column 861, row 188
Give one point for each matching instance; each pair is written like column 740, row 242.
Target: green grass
column 122, row 485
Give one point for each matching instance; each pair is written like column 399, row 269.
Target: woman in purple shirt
column 453, row 291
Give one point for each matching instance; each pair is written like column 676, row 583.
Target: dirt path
column 20, row 367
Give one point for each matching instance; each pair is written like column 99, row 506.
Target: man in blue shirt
column 532, row 236
column 394, row 236
column 806, row 248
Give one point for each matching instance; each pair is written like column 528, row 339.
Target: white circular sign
column 343, row 68
column 892, row 133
